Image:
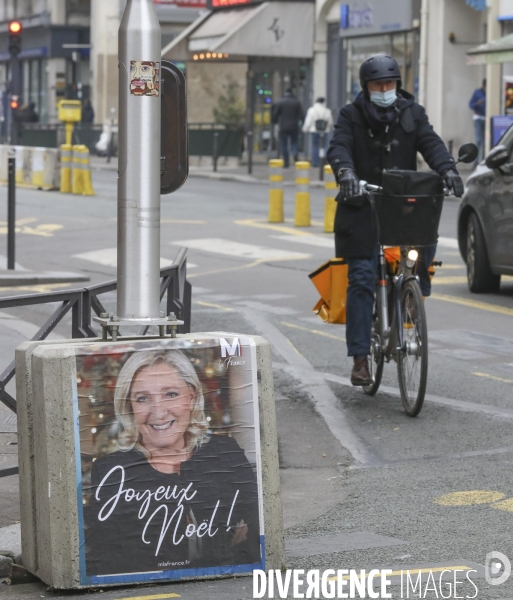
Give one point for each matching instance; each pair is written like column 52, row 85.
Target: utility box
column 69, row 111
column 148, row 459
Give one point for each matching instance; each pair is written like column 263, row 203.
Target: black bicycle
column 407, row 208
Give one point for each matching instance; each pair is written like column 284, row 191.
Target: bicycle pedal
column 408, row 325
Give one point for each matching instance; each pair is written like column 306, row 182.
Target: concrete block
column 50, row 455
column 5, row 565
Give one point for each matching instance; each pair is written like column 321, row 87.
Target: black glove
column 454, row 182
column 349, row 183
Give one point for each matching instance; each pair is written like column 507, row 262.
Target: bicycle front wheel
column 412, row 358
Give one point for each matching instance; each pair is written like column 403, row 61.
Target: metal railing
column 82, row 302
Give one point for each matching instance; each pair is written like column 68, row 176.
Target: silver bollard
column 139, row 163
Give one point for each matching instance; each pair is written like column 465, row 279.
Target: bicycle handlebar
column 369, row 187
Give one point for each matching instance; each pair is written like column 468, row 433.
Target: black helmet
column 379, row 66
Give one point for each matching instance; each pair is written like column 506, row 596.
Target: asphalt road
column 414, row 493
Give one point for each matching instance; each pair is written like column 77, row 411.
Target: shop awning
column 271, row 29
column 498, row 51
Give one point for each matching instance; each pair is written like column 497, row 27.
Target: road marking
column 506, row 505
column 502, row 310
column 412, row 571
column 212, row 305
column 324, row 400
column 184, row 221
column 456, row 404
column 469, row 498
column 108, row 257
column 495, row 378
column 316, row 331
column 256, row 263
column 152, row 597
column 265, row 225
column 311, row 240
column 238, row 249
column 449, row 280
column 41, row 289
column 445, row 242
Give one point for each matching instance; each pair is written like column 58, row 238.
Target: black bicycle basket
column 409, row 208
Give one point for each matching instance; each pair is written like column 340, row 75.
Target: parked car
column 485, row 219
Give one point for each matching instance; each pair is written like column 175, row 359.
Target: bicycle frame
column 390, row 330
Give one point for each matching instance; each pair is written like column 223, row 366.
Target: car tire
column 480, row 277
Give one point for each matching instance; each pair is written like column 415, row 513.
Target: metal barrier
column 83, row 301
column 52, row 135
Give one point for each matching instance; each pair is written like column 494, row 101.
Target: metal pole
column 250, row 152
column 139, row 162
column 215, row 149
column 321, row 156
column 15, row 91
column 11, row 208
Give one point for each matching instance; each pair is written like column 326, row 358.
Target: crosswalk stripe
column 309, row 240
column 108, row 258
column 238, row 249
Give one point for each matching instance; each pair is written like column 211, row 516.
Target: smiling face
column 161, row 403
column 142, row 75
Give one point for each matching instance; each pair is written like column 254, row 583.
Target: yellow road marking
column 212, row 305
column 502, row 310
column 42, row 289
column 414, row 571
column 506, row 505
column 494, row 377
column 153, row 597
column 449, row 280
column 316, row 331
column 255, row 263
column 469, row 498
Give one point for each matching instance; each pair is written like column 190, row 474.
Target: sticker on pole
column 168, row 460
column 144, row 78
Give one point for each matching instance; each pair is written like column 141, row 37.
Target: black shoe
column 360, row 374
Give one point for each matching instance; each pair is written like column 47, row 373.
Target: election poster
column 168, row 467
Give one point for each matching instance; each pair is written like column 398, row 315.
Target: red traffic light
column 14, row 27
column 14, row 104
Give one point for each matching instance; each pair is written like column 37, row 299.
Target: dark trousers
column 285, row 136
column 362, row 273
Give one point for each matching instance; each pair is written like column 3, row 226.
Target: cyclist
column 383, row 128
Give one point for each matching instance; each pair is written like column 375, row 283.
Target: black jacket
column 287, row 112
column 361, row 144
column 216, row 471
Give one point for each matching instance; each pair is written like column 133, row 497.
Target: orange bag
column 331, row 281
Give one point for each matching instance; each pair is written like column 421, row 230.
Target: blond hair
column 196, row 432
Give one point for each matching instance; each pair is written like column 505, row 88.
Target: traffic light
column 15, row 38
column 14, row 102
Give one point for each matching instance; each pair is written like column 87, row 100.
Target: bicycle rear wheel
column 412, row 359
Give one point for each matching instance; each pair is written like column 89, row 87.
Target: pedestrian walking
column 288, row 113
column 383, row 128
column 87, row 111
column 478, row 105
column 318, row 124
column 31, row 115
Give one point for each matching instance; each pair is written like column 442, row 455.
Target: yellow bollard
column 87, row 184
column 276, row 191
column 77, row 186
column 302, row 213
column 330, row 204
column 66, row 168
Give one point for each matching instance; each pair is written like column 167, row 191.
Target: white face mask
column 383, row 99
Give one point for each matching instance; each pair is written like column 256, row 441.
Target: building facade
column 429, row 39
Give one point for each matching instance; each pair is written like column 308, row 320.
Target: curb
column 8, row 279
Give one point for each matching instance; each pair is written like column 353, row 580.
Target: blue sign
column 500, row 125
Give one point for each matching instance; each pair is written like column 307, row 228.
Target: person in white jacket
column 318, row 122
